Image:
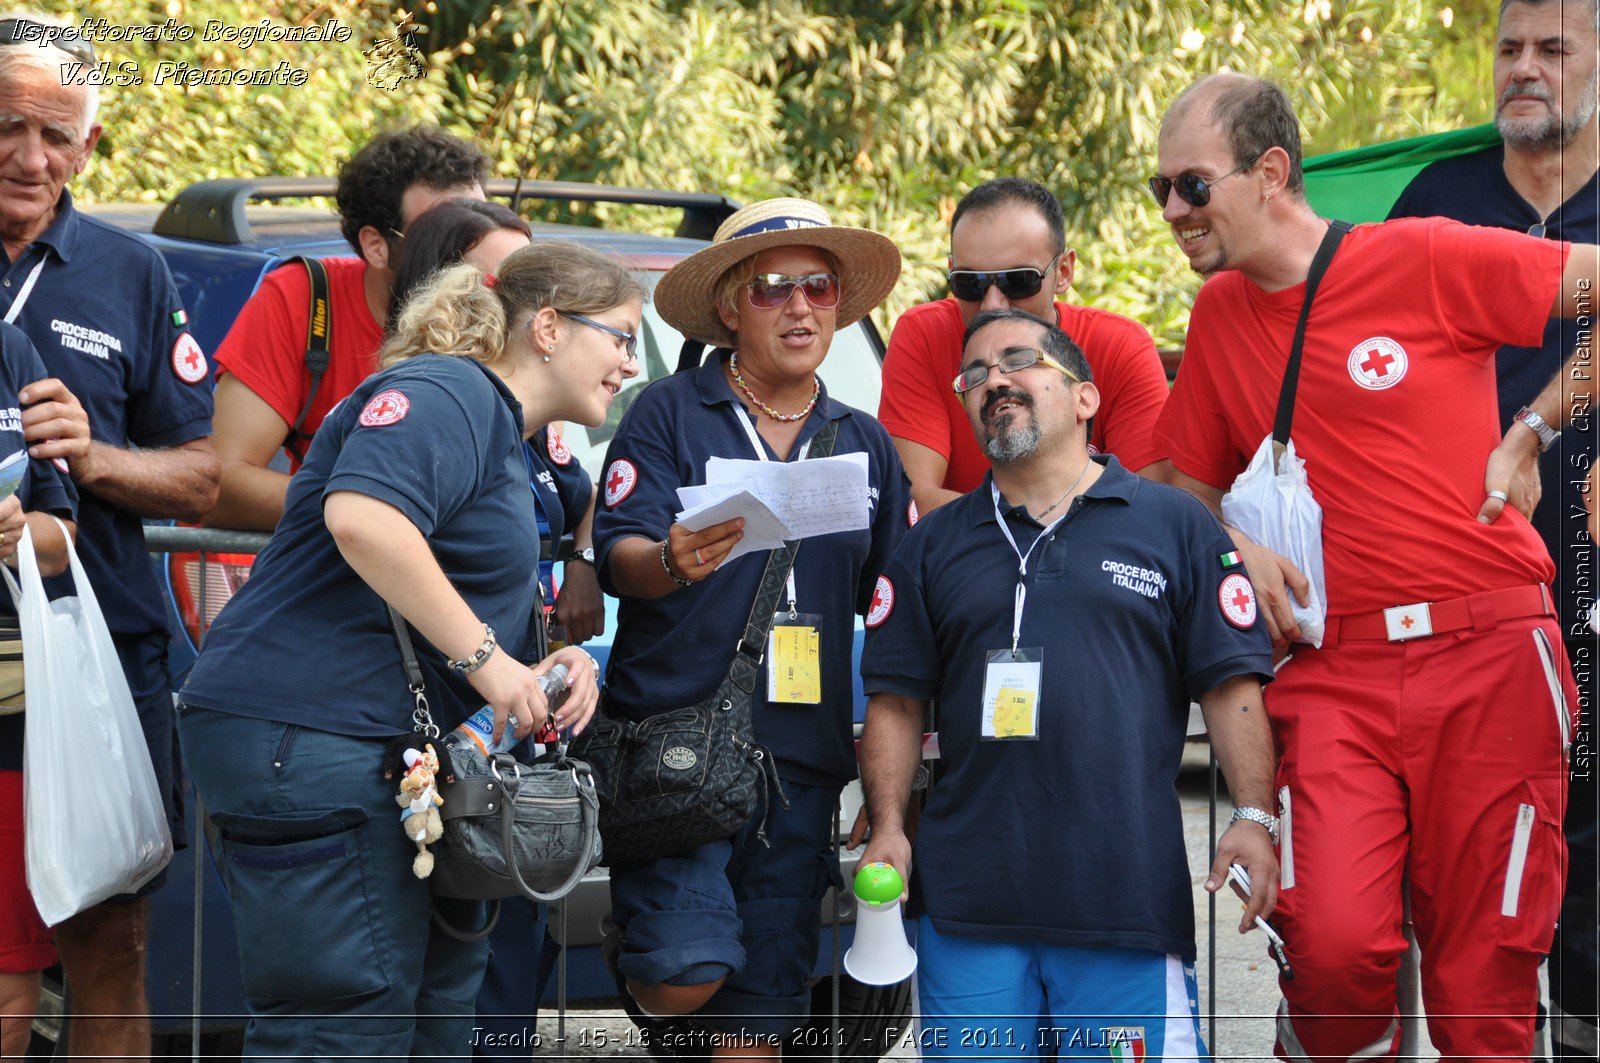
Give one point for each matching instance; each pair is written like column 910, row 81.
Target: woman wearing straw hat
column 729, row 929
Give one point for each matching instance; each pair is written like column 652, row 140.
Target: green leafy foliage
column 886, row 112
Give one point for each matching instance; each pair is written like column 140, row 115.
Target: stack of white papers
column 779, row 500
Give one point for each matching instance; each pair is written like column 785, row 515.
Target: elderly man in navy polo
column 1062, row 616
column 101, row 308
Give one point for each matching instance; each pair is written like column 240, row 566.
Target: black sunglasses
column 1191, row 187
column 69, row 39
column 1019, row 282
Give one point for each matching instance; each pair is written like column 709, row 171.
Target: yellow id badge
column 1011, row 684
column 794, row 660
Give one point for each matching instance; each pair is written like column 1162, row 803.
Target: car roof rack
column 213, row 211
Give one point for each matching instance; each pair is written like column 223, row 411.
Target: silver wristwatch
column 1256, row 815
column 586, row 555
column 1541, row 428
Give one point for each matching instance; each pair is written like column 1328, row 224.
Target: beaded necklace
column 786, row 418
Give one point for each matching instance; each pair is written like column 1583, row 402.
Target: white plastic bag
column 91, row 808
column 1275, row 509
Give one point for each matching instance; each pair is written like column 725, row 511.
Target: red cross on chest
column 1378, row 363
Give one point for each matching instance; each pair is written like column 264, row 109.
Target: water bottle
column 478, row 729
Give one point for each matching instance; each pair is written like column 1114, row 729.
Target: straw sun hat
column 869, row 265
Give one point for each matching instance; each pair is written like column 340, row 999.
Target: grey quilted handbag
column 509, row 828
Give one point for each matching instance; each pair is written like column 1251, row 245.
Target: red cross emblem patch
column 385, row 408
column 188, row 360
column 560, row 453
column 882, row 602
column 1378, row 363
column 621, row 479
column 1238, row 601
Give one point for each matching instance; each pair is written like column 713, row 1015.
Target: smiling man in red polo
column 1428, row 734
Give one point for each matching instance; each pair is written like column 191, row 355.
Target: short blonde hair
column 456, row 313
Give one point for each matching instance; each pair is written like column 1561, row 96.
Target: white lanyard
column 745, row 422
column 23, row 293
column 1022, row 568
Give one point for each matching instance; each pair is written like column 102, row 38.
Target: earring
column 549, row 347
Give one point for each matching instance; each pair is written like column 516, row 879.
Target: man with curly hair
column 267, row 396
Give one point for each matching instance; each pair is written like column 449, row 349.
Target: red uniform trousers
column 1444, row 756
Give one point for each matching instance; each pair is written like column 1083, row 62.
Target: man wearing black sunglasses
column 1543, row 180
column 1008, row 249
column 1428, row 734
column 104, row 313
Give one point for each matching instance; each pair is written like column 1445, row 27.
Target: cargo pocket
column 301, row 905
column 1535, row 874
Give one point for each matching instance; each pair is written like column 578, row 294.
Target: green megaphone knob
column 878, row 884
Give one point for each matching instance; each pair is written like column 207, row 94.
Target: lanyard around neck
column 748, row 424
column 1021, row 596
column 25, row 291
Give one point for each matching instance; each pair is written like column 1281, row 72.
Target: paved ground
column 1245, row 984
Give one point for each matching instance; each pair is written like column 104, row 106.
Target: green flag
column 1363, row 183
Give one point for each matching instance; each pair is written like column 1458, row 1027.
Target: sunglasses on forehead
column 1191, row 187
column 769, row 290
column 1019, row 282
column 70, row 39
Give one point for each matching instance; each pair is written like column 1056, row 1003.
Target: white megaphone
column 880, row 955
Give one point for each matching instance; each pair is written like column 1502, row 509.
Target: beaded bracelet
column 679, row 580
column 475, row 660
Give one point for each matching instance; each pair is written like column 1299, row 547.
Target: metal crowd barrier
column 164, row 540
column 206, row 542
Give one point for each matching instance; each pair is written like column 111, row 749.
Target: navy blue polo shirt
column 44, row 488
column 106, row 319
column 306, row 640
column 561, row 490
column 1473, row 188
column 673, row 651
column 1080, row 831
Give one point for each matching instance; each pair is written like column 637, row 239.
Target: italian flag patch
column 179, row 319
column 1126, row 1043
column 1230, row 559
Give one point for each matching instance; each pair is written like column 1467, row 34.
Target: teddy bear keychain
column 419, row 798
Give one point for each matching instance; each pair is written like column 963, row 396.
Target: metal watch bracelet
column 1258, row 816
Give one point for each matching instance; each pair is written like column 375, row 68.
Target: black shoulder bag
column 694, row 775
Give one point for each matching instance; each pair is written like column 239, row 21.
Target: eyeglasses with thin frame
column 630, row 340
column 69, row 39
column 1191, row 187
column 1018, row 282
column 1014, row 360
column 771, row 290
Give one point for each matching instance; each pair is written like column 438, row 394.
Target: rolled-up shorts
column 26, row 944
column 738, row 910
